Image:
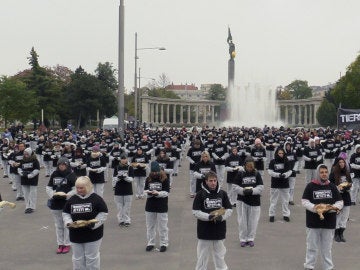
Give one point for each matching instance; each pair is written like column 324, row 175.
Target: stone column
column 161, row 113
column 286, row 115
column 205, row 114
column 305, row 115
column 156, row 117
column 145, row 111
column 181, row 114
column 188, row 114
column 197, row 114
column 151, row 113
column 174, row 114
column 168, row 113
column 213, row 114
column 293, row 115
column 300, row 116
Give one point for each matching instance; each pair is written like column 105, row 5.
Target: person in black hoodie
column 29, row 171
column 202, row 167
column 320, row 232
column 355, row 167
column 211, row 230
column 122, row 183
column 248, row 185
column 341, row 174
column 280, row 171
column 157, row 188
column 85, row 241
column 60, row 188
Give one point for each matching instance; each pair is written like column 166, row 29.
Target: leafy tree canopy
column 299, row 89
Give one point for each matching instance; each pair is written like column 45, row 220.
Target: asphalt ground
column 28, row 241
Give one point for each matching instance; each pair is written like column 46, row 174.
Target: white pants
column 269, row 156
column 30, row 195
column 310, row 174
column 192, row 183
column 355, row 188
column 218, row 251
column 319, row 240
column 48, row 167
column 99, row 189
column 123, row 205
column 248, row 219
column 139, row 186
column 292, row 181
column 40, row 158
column 220, row 172
column 231, row 193
column 86, row 256
column 299, row 164
column 62, row 233
column 12, row 180
column 342, row 217
column 284, row 196
column 19, row 190
column 329, row 163
column 176, row 165
column 6, row 167
column 159, row 221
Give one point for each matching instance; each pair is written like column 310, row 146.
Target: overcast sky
column 277, row 41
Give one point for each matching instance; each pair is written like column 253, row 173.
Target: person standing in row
column 211, row 229
column 248, row 185
column 232, row 165
column 157, row 188
column 85, row 241
column 341, row 175
column 355, row 167
column 202, row 168
column 60, row 188
column 312, row 156
column 290, row 154
column 279, row 170
column 96, row 166
column 320, row 232
column 29, row 171
column 194, row 156
column 139, row 163
column 122, row 182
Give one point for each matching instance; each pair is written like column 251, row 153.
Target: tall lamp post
column 121, row 87
column 136, row 94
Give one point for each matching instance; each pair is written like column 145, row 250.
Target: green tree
column 86, row 95
column 217, row 92
column 45, row 87
column 299, row 89
column 326, row 114
column 347, row 89
column 16, row 102
column 161, row 92
column 106, row 73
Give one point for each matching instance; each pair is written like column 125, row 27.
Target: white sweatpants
column 99, row 189
column 284, row 196
column 62, row 233
column 248, row 220
column 86, row 256
column 220, row 172
column 292, row 181
column 48, row 167
column 19, row 190
column 30, row 195
column 6, row 167
column 342, row 217
column 310, row 174
column 157, row 220
column 319, row 240
column 139, row 186
column 231, row 193
column 218, row 251
column 192, row 183
column 123, row 205
column 355, row 188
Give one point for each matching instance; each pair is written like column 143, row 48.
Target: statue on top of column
column 231, row 45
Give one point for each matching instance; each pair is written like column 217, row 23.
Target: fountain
column 250, row 105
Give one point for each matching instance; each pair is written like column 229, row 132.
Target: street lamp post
column 121, row 88
column 136, row 94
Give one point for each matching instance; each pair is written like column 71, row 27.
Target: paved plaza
column 28, row 242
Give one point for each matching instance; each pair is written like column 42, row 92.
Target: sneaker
column 291, row 203
column 59, row 249
column 192, row 195
column 5, row 176
column 272, row 219
column 126, row 224
column 243, row 244
column 287, row 219
column 149, row 248
column 162, row 248
column 65, row 249
column 121, row 224
column 29, row 210
column 250, row 243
